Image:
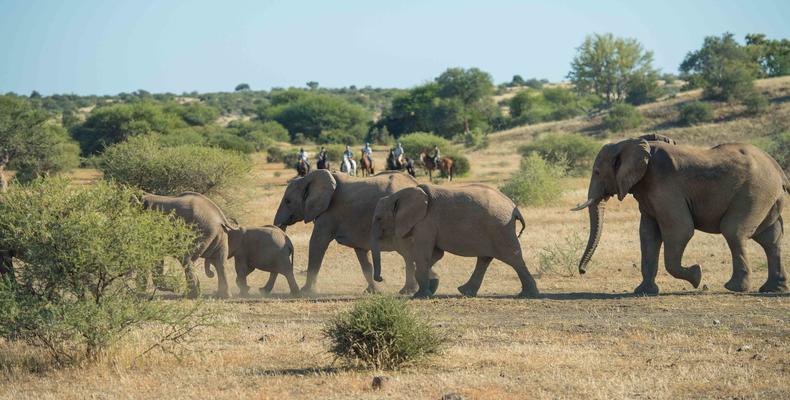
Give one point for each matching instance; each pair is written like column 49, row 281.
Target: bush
column 84, row 248
column 415, row 143
column 755, row 103
column 229, row 141
column 573, row 152
column 622, row 117
column 562, row 257
column 778, row 147
column 144, row 163
column 695, row 112
column 381, row 332
column 537, row 182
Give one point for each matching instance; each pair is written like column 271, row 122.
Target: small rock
column 452, row 396
column 379, row 382
column 716, row 322
column 705, row 288
column 744, row 348
column 759, row 357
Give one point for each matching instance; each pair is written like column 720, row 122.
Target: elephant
column 210, row 222
column 341, row 209
column 736, row 190
column 266, row 248
column 427, row 220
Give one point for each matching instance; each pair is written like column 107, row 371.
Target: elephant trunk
column 282, row 217
column 375, row 247
column 596, row 210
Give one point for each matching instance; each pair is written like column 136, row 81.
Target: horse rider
column 322, row 155
column 348, row 157
column 436, row 155
column 303, row 156
column 398, row 153
column 367, row 151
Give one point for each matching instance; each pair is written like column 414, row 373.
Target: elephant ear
column 411, row 205
column 319, row 186
column 631, row 165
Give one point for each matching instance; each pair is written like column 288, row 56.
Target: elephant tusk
column 583, row 205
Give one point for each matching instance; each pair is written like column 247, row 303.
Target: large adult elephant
column 341, row 209
column 736, row 190
column 210, row 222
column 427, row 220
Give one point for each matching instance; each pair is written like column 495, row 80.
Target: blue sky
column 107, row 47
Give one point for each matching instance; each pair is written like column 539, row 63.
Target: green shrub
column 755, row 103
column 536, row 183
column 229, row 141
column 695, row 112
column 778, row 146
column 622, row 117
column 196, row 113
column 144, row 163
column 415, row 143
column 574, row 151
column 562, row 257
column 381, row 332
column 84, row 249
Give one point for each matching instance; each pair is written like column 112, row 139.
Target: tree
column 470, row 87
column 606, row 66
column 29, row 143
column 517, row 81
column 722, row 67
column 312, row 113
column 772, row 55
column 35, row 94
column 241, row 87
column 313, row 85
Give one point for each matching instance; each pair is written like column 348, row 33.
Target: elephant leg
column 193, row 285
column 529, row 289
column 266, row 289
column 771, row 241
column 422, row 260
column 218, row 259
column 650, row 243
column 410, row 286
column 470, row 288
column 292, row 285
column 739, row 281
column 242, row 270
column 367, row 269
column 319, row 241
column 676, row 236
column 433, row 278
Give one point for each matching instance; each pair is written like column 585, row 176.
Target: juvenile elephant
column 266, row 248
column 208, row 220
column 471, row 221
column 341, row 208
column 733, row 189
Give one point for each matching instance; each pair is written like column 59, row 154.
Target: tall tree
column 471, row 87
column 723, row 67
column 606, row 65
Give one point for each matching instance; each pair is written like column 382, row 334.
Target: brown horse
column 445, row 165
column 301, row 168
column 366, row 163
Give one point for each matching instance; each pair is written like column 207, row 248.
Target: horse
column 445, row 165
column 301, row 167
column 393, row 165
column 366, row 163
column 322, row 163
column 352, row 164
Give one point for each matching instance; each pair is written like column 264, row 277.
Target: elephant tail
column 521, row 219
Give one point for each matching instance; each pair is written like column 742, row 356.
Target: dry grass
column 586, row 338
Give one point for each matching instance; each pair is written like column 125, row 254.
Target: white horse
column 349, row 162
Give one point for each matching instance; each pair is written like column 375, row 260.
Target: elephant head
column 394, row 217
column 305, row 198
column 617, row 168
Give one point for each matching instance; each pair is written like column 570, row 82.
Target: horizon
column 95, row 48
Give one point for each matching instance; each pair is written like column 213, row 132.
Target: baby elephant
column 471, row 221
column 268, row 249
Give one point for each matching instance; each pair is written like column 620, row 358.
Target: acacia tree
column 606, row 65
column 470, row 87
column 30, row 144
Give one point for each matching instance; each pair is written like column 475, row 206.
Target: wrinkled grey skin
column 341, row 208
column 208, row 220
column 266, row 248
column 470, row 221
column 736, row 190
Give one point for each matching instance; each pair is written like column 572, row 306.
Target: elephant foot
column 222, row 294
column 371, row 289
column 408, row 290
column 244, row 293
column 738, row 284
column 421, row 294
column 265, row 291
column 646, row 289
column 695, row 275
column 531, row 293
column 774, row 286
column 433, row 285
column 468, row 290
column 308, row 291
column 193, row 293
